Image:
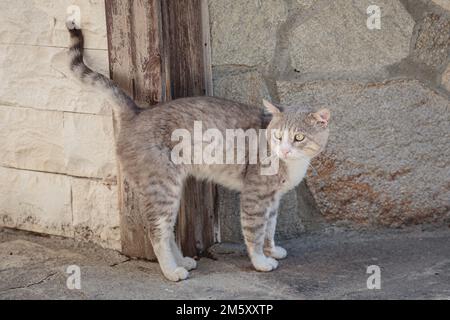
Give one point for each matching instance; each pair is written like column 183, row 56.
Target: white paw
column 263, row 263
column 276, row 252
column 177, row 275
column 189, row 263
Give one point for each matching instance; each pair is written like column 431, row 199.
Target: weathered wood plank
column 134, row 33
column 134, row 40
column 207, row 60
column 157, row 52
column 189, row 76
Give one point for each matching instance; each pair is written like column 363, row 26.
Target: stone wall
column 57, row 159
column 387, row 163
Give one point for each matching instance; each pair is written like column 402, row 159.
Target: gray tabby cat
column 144, row 148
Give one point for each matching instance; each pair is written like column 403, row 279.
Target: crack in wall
column 112, row 182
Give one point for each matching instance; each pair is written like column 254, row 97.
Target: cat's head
column 297, row 133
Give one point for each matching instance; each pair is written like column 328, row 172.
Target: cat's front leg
column 254, row 221
column 270, row 249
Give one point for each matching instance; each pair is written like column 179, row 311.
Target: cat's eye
column 278, row 135
column 299, row 137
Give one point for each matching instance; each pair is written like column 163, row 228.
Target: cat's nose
column 285, row 151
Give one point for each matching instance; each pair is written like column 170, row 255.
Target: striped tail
column 124, row 106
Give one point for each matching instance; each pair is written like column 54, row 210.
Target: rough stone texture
column 95, row 207
column 290, row 224
column 31, row 139
column 254, row 45
column 229, row 215
column 247, row 85
column 35, row 201
column 23, row 252
column 320, row 40
column 244, row 85
column 337, row 40
column 60, row 205
column 57, row 142
column 39, row 77
column 42, row 22
column 432, row 46
column 244, row 33
column 388, row 155
column 51, row 123
column 446, row 78
column 414, row 265
column 89, row 146
column 443, row 3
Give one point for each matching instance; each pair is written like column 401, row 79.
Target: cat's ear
column 321, row 117
column 270, row 107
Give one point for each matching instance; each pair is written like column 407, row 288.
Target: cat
column 144, row 144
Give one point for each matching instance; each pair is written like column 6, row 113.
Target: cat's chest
column 295, row 172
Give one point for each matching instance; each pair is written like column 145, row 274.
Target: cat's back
column 213, row 112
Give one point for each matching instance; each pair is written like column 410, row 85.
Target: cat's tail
column 124, row 106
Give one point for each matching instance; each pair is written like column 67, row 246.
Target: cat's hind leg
column 160, row 207
column 187, row 262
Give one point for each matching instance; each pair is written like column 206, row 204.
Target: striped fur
column 144, row 147
column 125, row 107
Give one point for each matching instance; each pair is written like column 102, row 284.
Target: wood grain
column 134, row 33
column 159, row 50
column 134, row 41
column 183, row 20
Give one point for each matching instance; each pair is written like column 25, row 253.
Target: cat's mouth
column 296, row 156
column 289, row 157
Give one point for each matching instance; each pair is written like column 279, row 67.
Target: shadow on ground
column 414, row 264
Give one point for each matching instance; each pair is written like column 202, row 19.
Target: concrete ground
column 415, row 264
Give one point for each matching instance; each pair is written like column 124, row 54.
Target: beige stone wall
column 57, row 159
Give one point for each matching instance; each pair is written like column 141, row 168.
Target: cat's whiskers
column 314, row 169
column 309, row 164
